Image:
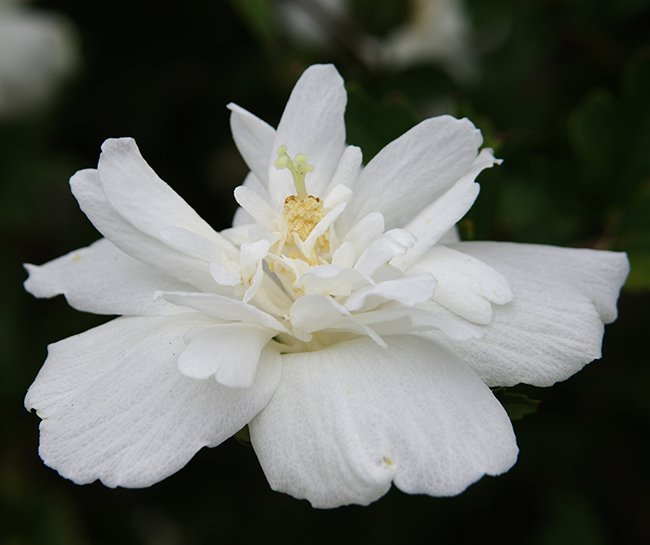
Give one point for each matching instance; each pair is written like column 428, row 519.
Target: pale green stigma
column 299, row 168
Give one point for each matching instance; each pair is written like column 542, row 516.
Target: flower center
column 301, row 211
column 302, row 215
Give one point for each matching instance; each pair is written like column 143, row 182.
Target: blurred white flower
column 437, row 32
column 37, row 52
column 434, row 32
column 330, row 318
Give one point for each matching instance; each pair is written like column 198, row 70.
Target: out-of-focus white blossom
column 437, row 32
column 434, row 32
column 37, row 52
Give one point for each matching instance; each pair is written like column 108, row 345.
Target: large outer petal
column 312, row 124
column 414, row 170
column 115, row 407
column 347, row 420
column 104, row 280
column 554, row 325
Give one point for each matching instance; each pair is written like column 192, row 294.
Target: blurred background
column 560, row 89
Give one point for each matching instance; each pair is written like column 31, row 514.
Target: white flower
column 330, row 318
column 435, row 32
column 36, row 53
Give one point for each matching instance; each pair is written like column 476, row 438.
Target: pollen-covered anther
column 301, row 211
column 302, row 215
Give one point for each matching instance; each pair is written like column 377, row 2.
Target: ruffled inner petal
column 465, row 285
column 223, row 308
column 229, row 352
column 384, row 248
column 409, row 291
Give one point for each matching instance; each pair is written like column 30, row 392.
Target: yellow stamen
column 302, row 214
column 301, row 211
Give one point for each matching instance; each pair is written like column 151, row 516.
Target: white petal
column 229, row 352
column 348, row 169
column 397, row 320
column 465, row 285
column 365, row 231
column 224, row 308
column 409, row 291
column 338, row 194
column 242, row 217
column 597, row 274
column 254, row 140
column 103, row 280
column 225, row 274
column 450, row 237
column 430, row 225
column 384, row 248
column 256, row 207
column 321, row 227
column 430, row 315
column 255, row 283
column 414, row 170
column 252, row 252
column 116, row 408
column 552, row 328
column 137, row 193
column 347, row 420
column 272, row 298
column 344, row 256
column 195, row 245
column 331, row 280
column 87, row 189
column 312, row 124
column 315, row 312
column 249, row 232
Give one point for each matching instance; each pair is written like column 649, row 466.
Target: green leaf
column 258, row 16
column 243, row 436
column 636, row 81
column 379, row 18
column 517, row 405
column 639, row 279
column 597, row 136
column 372, row 123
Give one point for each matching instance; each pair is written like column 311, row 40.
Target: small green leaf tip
column 516, row 405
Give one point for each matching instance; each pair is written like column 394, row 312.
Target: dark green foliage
column 516, row 404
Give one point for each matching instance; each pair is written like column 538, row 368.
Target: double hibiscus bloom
column 340, row 318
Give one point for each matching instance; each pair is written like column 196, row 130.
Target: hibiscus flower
column 339, row 318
